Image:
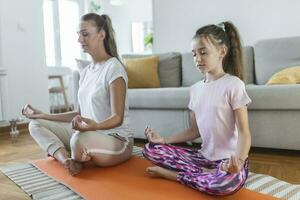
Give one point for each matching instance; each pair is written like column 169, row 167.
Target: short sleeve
column 82, row 74
column 116, row 70
column 238, row 95
column 191, row 101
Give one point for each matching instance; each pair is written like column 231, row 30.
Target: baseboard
column 22, row 127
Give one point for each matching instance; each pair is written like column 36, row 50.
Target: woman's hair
column 103, row 22
column 226, row 34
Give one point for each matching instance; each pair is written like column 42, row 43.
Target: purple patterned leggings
column 190, row 163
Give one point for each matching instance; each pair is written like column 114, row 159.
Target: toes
column 75, row 167
column 67, row 163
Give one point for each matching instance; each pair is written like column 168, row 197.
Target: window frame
column 82, row 5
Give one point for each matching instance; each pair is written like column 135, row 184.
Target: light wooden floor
column 281, row 164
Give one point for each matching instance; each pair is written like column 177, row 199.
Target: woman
column 102, row 134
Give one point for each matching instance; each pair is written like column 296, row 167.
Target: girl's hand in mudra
column 232, row 165
column 154, row 137
column 80, row 123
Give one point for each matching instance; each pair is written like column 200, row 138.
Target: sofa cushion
column 248, row 65
column 169, row 68
column 289, row 75
column 142, row 72
column 191, row 75
column 274, row 97
column 159, row 98
column 273, row 55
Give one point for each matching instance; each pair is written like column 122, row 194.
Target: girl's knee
column 148, row 149
column 213, row 185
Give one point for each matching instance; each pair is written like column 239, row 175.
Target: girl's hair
column 103, row 22
column 226, row 34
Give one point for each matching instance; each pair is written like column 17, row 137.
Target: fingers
column 23, row 109
column 147, row 132
column 234, row 161
column 75, row 122
column 225, row 165
column 231, row 165
column 80, row 123
column 28, row 111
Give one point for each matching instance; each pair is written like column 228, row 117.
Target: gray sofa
column 274, row 114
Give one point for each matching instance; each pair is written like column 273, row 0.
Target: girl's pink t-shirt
column 213, row 104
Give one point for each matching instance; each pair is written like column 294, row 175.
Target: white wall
column 22, row 53
column 175, row 21
column 122, row 17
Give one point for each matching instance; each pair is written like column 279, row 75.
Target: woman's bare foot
column 73, row 166
column 162, row 173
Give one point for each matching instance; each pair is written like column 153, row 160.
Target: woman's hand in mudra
column 80, row 123
column 31, row 112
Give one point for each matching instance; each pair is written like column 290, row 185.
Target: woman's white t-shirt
column 94, row 95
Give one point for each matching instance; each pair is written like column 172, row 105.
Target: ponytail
column 103, row 22
column 233, row 61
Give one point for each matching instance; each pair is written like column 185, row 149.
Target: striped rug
column 42, row 187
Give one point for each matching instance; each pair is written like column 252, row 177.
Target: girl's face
column 207, row 56
column 89, row 37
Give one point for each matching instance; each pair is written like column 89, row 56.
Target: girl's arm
column 235, row 163
column 186, row 135
column 244, row 136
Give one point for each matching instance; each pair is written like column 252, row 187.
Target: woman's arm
column 63, row 117
column 117, row 91
column 33, row 113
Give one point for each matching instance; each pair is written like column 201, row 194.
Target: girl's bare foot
column 162, row 173
column 73, row 166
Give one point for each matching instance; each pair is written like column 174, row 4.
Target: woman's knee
column 106, row 160
column 33, row 126
column 76, row 140
column 77, row 146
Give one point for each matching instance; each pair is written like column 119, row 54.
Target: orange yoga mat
column 128, row 181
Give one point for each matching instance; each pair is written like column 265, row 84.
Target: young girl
column 102, row 128
column 218, row 107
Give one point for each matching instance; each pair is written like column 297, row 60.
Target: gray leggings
column 103, row 149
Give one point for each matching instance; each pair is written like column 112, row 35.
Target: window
column 142, row 37
column 61, row 19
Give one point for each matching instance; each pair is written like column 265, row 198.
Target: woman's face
column 207, row 56
column 89, row 37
